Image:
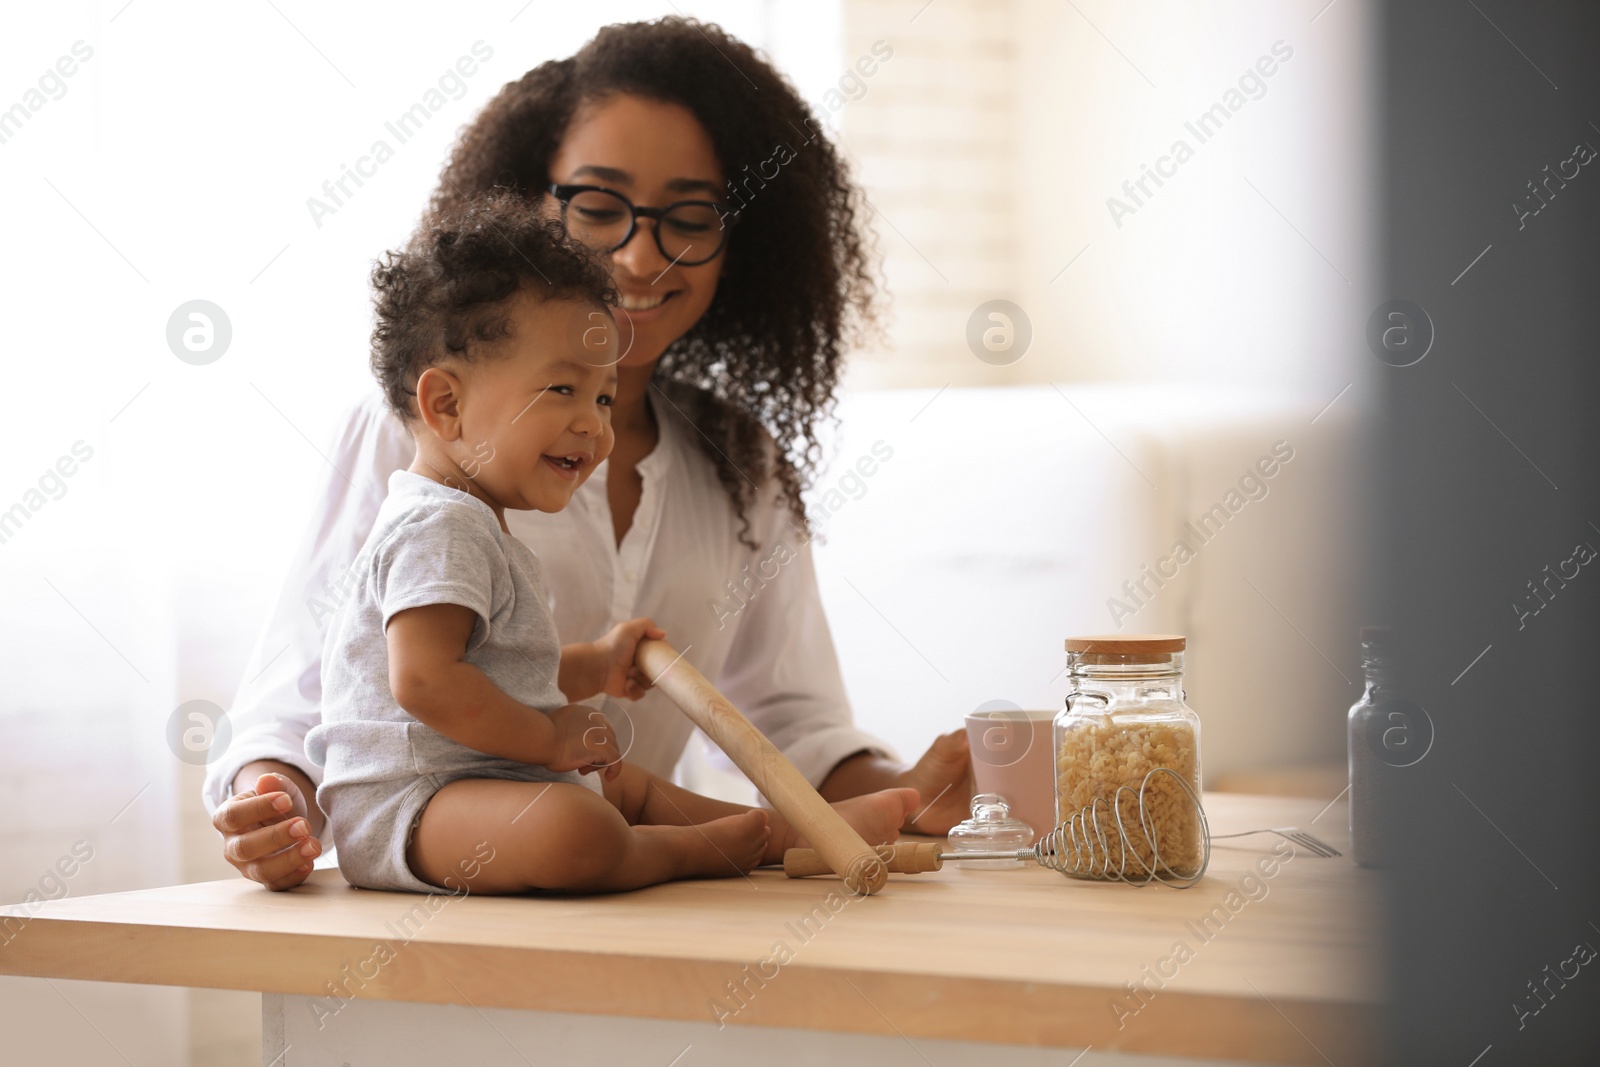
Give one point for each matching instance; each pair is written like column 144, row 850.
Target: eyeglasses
column 688, row 232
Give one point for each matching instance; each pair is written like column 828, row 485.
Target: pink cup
column 1011, row 755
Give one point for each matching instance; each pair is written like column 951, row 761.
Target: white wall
column 993, row 140
column 1007, row 519
column 989, row 148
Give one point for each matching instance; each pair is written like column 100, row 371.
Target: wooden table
column 1287, row 970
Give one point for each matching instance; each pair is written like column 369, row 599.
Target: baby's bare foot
column 877, row 817
column 722, row 847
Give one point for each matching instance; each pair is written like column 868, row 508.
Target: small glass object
column 991, row 829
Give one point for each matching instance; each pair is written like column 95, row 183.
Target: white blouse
column 749, row 620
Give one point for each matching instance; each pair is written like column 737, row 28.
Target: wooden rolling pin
column 908, row 857
column 838, row 845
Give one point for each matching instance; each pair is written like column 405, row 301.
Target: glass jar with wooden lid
column 1125, row 717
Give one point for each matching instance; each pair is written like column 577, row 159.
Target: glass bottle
column 1125, row 716
column 1369, row 771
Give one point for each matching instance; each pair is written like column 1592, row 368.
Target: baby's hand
column 617, row 649
column 584, row 742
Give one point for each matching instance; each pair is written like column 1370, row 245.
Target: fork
column 1294, row 835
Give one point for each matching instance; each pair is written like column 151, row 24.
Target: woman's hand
column 942, row 777
column 266, row 831
column 584, row 742
column 615, row 652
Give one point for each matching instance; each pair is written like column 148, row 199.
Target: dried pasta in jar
column 1096, row 760
column 1126, row 717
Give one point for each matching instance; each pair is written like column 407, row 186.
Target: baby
column 453, row 753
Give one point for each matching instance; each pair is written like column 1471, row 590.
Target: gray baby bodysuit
column 430, row 544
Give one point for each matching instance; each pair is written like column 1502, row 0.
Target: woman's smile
column 646, row 307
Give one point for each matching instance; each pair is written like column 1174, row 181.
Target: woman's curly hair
column 765, row 358
column 448, row 292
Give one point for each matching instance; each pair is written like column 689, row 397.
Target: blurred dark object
column 1486, row 470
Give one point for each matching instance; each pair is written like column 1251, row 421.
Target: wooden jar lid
column 1131, row 646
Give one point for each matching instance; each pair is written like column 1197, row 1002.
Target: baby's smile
column 570, row 465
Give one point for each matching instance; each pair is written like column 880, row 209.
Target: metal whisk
column 1081, row 847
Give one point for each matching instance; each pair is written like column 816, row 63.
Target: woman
column 735, row 324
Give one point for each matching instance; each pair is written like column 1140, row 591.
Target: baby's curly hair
column 448, row 292
column 767, row 355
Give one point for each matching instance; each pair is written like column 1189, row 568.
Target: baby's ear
column 439, row 402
